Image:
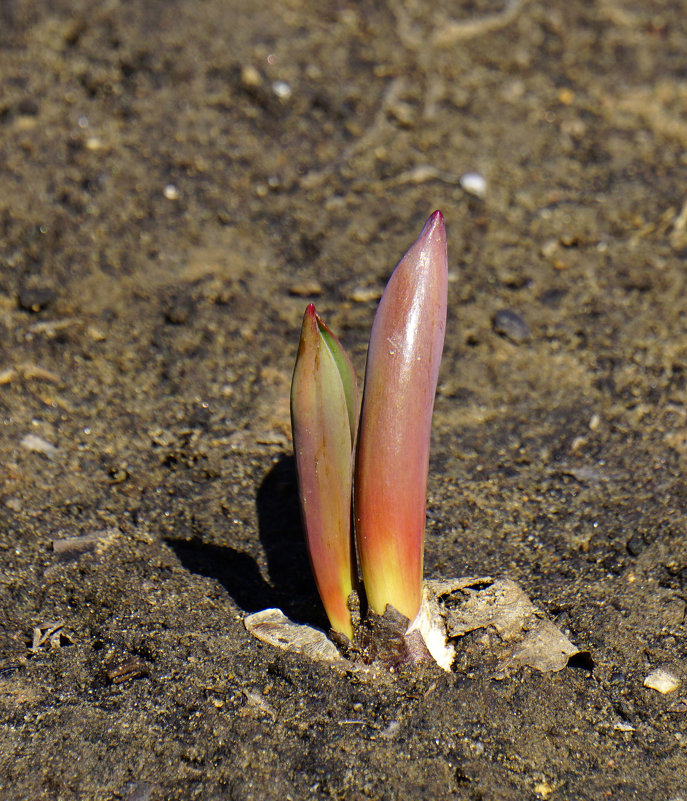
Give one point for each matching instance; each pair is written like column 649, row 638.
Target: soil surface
column 178, row 180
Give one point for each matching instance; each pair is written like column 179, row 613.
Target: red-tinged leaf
column 324, row 400
column 394, row 434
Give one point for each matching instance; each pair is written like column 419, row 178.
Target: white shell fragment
column 273, row 627
column 662, row 680
column 474, row 184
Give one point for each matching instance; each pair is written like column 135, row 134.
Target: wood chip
column 126, row 671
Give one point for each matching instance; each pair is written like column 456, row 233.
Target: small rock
column 178, row 309
column 282, row 90
column 543, row 789
column 509, row 324
column 366, row 294
column 306, row 289
column 171, row 192
column 635, row 545
column 250, row 77
column 474, row 184
column 34, row 299
column 549, row 248
column 7, row 376
column 37, row 444
column 553, row 297
column 662, row 680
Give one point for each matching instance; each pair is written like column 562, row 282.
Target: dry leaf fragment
column 73, row 547
column 273, row 627
column 129, row 669
column 515, row 632
column 521, row 634
column 52, row 634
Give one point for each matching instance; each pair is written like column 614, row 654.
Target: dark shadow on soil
column 237, row 572
column 283, row 540
column 291, row 586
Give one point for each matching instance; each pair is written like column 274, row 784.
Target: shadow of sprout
column 283, row 541
column 290, row 585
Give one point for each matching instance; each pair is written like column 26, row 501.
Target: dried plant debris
column 382, row 639
column 52, row 634
column 490, row 623
column 70, row 548
column 273, row 627
column 496, row 621
column 126, row 670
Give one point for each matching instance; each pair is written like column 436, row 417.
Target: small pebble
column 474, row 184
column 635, row 546
column 37, row 444
column 250, row 77
column 679, row 707
column 662, row 680
column 364, row 294
column 549, row 248
column 543, row 789
column 35, row 299
column 282, row 90
column 171, row 192
column 552, row 297
column 178, row 309
column 509, row 324
column 306, row 289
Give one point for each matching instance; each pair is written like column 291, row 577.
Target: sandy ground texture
column 177, row 181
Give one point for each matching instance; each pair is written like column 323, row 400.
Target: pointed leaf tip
column 434, row 229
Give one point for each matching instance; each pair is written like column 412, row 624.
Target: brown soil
column 177, row 181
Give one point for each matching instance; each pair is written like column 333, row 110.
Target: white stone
column 662, row 680
column 474, row 183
